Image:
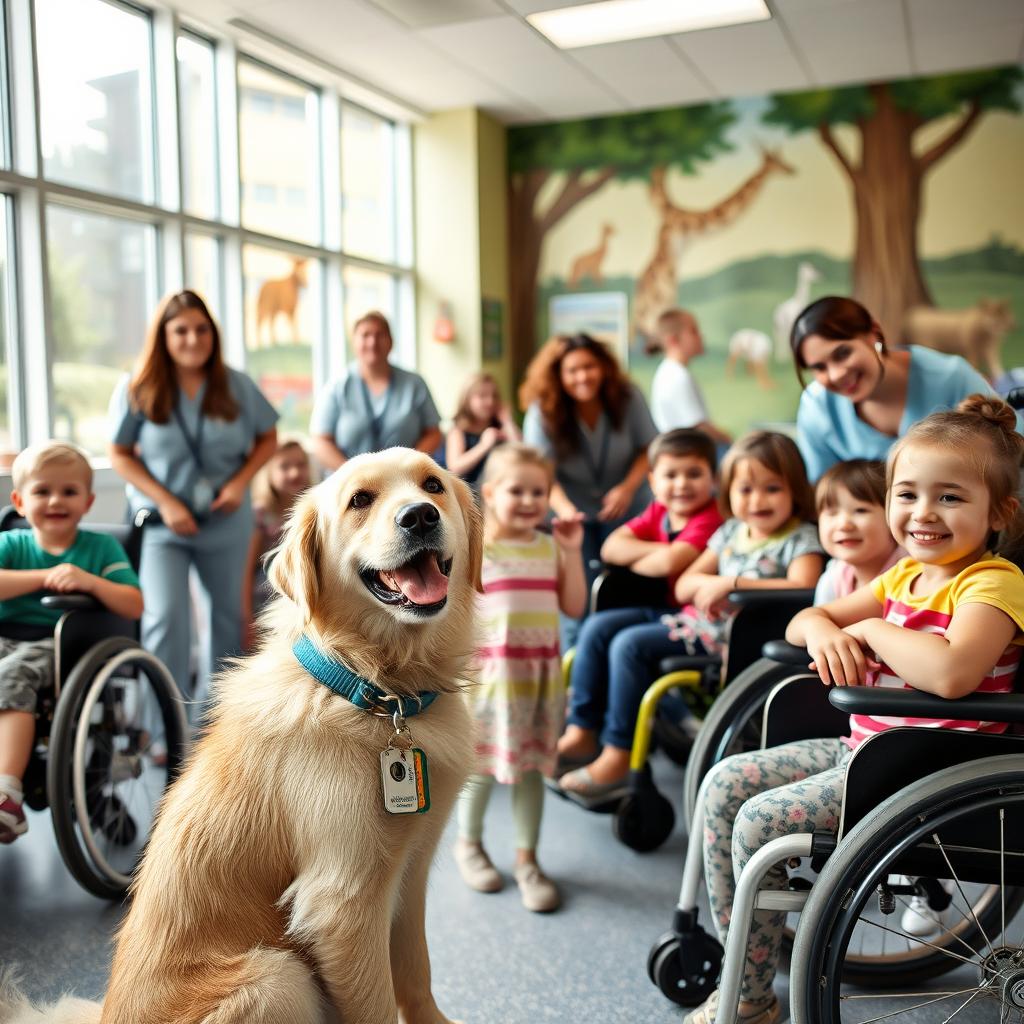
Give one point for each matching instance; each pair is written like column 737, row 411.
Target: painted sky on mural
column 810, row 210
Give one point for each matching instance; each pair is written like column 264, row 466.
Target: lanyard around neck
column 194, row 443
column 376, row 419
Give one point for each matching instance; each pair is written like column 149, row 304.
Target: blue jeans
column 595, row 533
column 617, row 657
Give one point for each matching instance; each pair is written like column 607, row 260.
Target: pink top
column 652, row 525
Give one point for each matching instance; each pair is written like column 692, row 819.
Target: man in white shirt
column 676, row 399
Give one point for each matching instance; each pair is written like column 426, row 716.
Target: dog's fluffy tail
column 16, row 1009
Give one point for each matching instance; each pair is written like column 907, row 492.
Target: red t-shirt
column 652, row 525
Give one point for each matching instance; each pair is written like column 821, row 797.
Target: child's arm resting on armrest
column 16, row 582
column 666, row 559
column 949, row 666
column 623, row 547
column 121, row 598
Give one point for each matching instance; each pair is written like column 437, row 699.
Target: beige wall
column 461, row 243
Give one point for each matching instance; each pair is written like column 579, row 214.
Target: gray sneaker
column 538, row 892
column 476, row 868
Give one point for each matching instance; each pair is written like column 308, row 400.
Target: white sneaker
column 920, row 920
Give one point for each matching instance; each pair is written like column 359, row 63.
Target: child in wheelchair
column 53, row 491
column 769, row 541
column 947, row 619
column 618, row 650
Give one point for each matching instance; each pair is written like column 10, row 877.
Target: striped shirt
column 993, row 581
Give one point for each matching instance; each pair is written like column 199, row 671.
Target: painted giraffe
column 656, row 287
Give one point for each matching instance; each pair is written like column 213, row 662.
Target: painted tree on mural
column 887, row 176
column 578, row 159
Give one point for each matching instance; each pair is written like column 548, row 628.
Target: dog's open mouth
column 420, row 585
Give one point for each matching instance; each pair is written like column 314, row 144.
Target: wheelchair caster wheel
column 644, row 820
column 685, row 968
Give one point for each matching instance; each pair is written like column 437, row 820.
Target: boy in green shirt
column 52, row 490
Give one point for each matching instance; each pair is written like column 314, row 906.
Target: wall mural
column 904, row 194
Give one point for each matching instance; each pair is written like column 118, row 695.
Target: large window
column 169, row 159
column 278, row 123
column 96, row 105
column 102, row 291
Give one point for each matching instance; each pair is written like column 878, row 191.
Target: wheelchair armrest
column 786, row 653
column 72, row 603
column 761, row 598
column 883, row 700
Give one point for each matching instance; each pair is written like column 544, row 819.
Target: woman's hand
column 615, row 504
column 710, row 596
column 176, row 517
column 568, row 533
column 229, row 498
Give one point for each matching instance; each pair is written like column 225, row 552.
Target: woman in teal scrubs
column 373, row 405
column 187, row 434
column 865, row 395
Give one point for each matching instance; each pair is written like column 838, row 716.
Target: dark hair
column 154, row 386
column 983, row 428
column 863, row 478
column 834, row 318
column 778, row 454
column 684, row 441
column 543, row 385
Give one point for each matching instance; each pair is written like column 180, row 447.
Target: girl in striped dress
column 528, row 577
column 948, row 619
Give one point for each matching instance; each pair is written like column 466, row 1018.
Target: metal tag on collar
column 403, row 770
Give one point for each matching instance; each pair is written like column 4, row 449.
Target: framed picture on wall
column 604, row 315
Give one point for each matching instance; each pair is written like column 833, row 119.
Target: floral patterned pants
column 752, row 799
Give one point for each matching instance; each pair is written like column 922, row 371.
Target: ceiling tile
column 981, row 46
column 645, row 72
column 417, row 14
column 506, row 50
column 744, row 59
column 533, row 6
column 939, row 16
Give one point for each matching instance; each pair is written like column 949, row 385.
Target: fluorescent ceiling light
column 614, row 20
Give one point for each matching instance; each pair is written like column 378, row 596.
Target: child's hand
column 491, row 437
column 710, row 596
column 69, row 579
column 176, row 517
column 568, row 532
column 229, row 498
column 840, row 658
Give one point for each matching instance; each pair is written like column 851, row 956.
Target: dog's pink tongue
column 421, row 581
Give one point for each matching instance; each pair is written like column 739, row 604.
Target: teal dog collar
column 359, row 691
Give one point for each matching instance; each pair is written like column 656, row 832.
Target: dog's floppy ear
column 295, row 568
column 474, row 520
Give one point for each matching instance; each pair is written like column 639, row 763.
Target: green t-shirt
column 96, row 553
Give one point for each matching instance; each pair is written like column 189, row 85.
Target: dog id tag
column 403, row 774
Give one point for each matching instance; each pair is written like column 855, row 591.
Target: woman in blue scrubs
column 865, row 395
column 372, row 405
column 187, row 434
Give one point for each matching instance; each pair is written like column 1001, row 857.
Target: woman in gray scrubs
column 586, row 416
column 372, row 405
column 187, row 434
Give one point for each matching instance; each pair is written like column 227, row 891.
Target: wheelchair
column 643, row 818
column 933, row 813
column 111, row 735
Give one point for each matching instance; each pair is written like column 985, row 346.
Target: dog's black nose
column 419, row 518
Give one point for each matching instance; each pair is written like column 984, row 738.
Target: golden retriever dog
column 276, row 888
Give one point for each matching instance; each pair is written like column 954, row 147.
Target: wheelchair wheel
column 967, row 822
column 732, row 725
column 644, row 819
column 685, row 967
column 118, row 739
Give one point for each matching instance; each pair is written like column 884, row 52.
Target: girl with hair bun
column 948, row 619
column 863, row 395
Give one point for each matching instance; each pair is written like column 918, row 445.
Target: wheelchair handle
column 71, row 602
column 976, row 707
column 786, row 653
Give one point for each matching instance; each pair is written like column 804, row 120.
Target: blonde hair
column 504, row 458
column 978, row 418
column 462, row 417
column 778, row 454
column 264, row 494
column 48, row 453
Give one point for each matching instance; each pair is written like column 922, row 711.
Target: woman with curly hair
column 586, row 416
